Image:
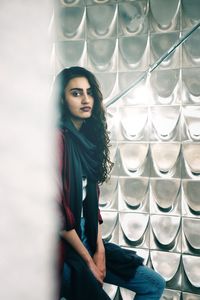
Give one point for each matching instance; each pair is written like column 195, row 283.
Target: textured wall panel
column 151, row 203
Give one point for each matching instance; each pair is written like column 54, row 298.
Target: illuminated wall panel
column 151, row 203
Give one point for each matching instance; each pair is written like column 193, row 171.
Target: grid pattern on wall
column 152, row 200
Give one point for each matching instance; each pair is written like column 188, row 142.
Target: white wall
column 27, row 191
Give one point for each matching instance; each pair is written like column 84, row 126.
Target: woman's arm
column 73, row 239
column 99, row 256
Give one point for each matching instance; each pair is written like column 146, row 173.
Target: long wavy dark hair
column 95, row 127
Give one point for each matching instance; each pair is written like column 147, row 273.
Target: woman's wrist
column 88, row 260
column 100, row 247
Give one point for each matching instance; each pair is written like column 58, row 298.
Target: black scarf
column 81, row 157
column 82, row 161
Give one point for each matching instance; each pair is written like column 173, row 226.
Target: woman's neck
column 77, row 123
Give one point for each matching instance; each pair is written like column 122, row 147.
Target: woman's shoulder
column 61, row 137
column 61, row 133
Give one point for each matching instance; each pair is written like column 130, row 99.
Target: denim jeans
column 146, row 283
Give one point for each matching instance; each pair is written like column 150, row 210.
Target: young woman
column 87, row 261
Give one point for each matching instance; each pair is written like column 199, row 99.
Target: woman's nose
column 85, row 98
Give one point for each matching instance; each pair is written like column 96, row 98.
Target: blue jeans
column 147, row 284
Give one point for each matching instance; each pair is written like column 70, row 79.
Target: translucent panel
column 165, row 86
column 134, row 157
column 101, row 55
column 70, row 22
column 191, row 192
column 191, row 12
column 165, row 121
column 191, row 266
column 101, row 21
column 134, row 192
column 109, row 224
column 132, row 17
column 165, row 158
column 133, row 122
column 137, row 95
column 108, row 194
column 192, row 122
column 165, row 230
column 70, row 53
column 191, row 86
column 110, row 289
column 134, row 227
column 164, row 13
column 165, row 193
column 191, row 50
column 189, row 296
column 192, row 233
column 133, row 52
column 171, row 295
column 166, row 263
column 191, row 153
column 161, row 43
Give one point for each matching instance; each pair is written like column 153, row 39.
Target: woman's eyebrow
column 79, row 89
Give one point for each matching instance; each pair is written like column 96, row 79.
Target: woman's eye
column 76, row 93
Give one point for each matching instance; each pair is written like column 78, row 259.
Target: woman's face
column 79, row 99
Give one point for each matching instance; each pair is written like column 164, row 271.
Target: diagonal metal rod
column 152, row 67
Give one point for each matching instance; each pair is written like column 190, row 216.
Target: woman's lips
column 86, row 108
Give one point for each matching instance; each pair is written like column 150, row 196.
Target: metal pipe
column 152, row 67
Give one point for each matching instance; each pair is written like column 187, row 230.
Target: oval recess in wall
column 70, row 22
column 191, row 192
column 191, row 86
column 191, row 266
column 165, row 158
column 108, row 192
column 165, row 230
column 101, row 54
column 133, row 121
column 101, row 21
column 192, row 233
column 191, row 154
column 109, row 224
column 166, row 263
column 133, row 50
column 192, row 121
column 134, row 226
column 165, row 121
column 70, row 53
column 165, row 193
column 134, row 191
column 164, row 11
column 132, row 17
column 134, row 157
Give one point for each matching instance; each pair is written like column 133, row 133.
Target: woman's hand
column 73, row 239
column 100, row 261
column 95, row 271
